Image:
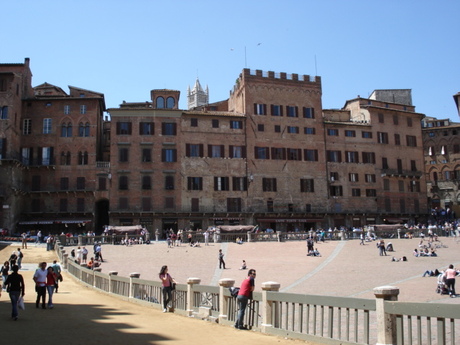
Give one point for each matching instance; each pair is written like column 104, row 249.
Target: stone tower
column 197, row 97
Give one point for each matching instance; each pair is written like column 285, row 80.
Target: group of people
column 446, row 279
column 46, row 280
column 81, row 256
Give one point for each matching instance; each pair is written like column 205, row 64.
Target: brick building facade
column 269, row 155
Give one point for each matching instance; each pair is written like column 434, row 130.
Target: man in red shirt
column 244, row 295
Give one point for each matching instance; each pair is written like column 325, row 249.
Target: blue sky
column 124, row 49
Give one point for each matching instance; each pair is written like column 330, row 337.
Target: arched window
column 65, row 158
column 435, row 176
column 82, row 158
column 170, row 102
column 69, row 130
column 81, row 129
column 160, row 103
column 87, row 129
column 64, row 130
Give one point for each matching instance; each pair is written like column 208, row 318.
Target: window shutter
column 255, row 108
column 230, row 151
column 222, row 151
column 187, row 150
column 209, row 150
column 243, row 152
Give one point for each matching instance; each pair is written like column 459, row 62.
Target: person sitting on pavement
column 430, row 273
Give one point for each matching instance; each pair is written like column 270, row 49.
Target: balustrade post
column 111, row 273
column 268, row 307
column 65, row 259
column 190, row 292
column 80, row 240
column 386, row 323
column 131, row 285
column 97, row 269
column 223, row 300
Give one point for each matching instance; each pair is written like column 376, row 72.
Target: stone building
column 441, row 142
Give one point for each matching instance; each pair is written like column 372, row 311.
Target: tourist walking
column 16, row 289
column 24, row 241
column 5, row 270
column 221, row 259
column 57, row 269
column 381, row 246
column 450, row 280
column 244, row 295
column 51, row 281
column 40, row 284
column 20, row 255
column 167, row 282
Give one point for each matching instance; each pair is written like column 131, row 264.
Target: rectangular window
column 63, row 204
column 382, row 137
column 293, row 129
column 102, row 183
column 27, row 126
column 26, row 155
column 36, row 183
column 169, row 155
column 294, row 154
column 236, row 124
column 399, row 166
column 221, row 183
column 334, row 156
column 168, row 128
column 146, row 182
column 381, row 118
column 169, row 182
column 395, row 119
column 81, row 183
column 82, row 109
column 384, row 163
column 336, row 190
column 401, row 186
column 307, row 185
column 2, row 148
column 371, row 192
column 123, row 154
column 278, row 153
column 277, row 129
column 333, row 132
column 370, row 178
column 146, row 155
column 66, row 109
column 309, row 130
column 334, row 176
column 260, row 109
column 387, row 205
column 350, row 133
column 193, row 122
column 413, row 165
column 397, row 139
column 309, row 113
column 260, row 127
column 47, row 126
column 194, row 183
column 270, row 207
column 402, row 205
column 215, row 123
column 310, row 155
column 366, row 135
column 352, row 157
column 353, row 177
column 80, row 205
column 276, row 110
column 146, row 128
column 194, row 150
column 411, row 140
column 146, row 204
column 386, row 184
column 237, row 151
column 292, row 111
column 64, row 184
column 124, row 128
column 269, row 184
column 261, row 152
column 195, row 204
column 409, row 122
column 234, row 204
column 123, row 203
column 216, row 151
column 368, row 157
column 47, row 156
column 240, row 183
column 355, row 192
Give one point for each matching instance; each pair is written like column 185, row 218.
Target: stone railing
column 319, row 319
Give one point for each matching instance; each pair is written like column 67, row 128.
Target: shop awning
column 54, row 221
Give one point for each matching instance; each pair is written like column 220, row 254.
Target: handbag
column 21, row 303
column 173, row 286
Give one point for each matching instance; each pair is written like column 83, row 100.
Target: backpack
column 234, row 291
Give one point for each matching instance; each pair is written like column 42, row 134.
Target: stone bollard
column 190, row 292
column 269, row 306
column 386, row 323
column 223, row 300
column 111, row 273
column 131, row 285
column 65, row 259
column 80, row 240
